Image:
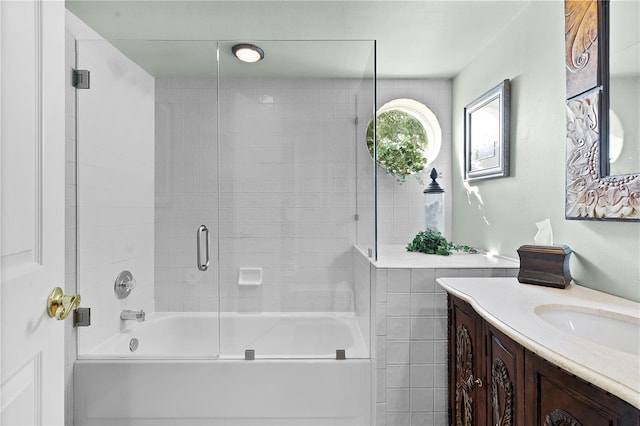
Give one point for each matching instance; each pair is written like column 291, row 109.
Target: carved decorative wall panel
column 581, row 46
column 590, row 193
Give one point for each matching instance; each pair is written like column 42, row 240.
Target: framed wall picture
column 486, row 135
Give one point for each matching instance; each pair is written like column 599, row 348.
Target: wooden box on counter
column 545, row 265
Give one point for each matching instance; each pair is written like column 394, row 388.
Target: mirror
column 408, row 138
column 601, row 58
column 624, row 87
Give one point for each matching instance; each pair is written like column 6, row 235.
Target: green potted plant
column 432, row 242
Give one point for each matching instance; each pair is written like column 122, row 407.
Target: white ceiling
column 415, row 39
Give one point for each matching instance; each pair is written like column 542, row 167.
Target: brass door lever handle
column 60, row 306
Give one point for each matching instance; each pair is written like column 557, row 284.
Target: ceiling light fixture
column 248, row 52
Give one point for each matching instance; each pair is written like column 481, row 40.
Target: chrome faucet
column 132, row 315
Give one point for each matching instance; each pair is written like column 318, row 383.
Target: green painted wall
column 500, row 214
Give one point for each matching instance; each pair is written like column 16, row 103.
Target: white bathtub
column 291, row 335
column 177, row 376
column 163, row 335
column 194, row 335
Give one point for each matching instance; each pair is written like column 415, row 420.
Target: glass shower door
column 146, row 182
column 288, row 135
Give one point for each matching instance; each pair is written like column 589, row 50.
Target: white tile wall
column 286, row 197
column 363, row 296
column 400, row 205
column 365, row 228
column 411, row 343
column 287, row 194
column 115, row 187
column 86, row 216
column 186, row 192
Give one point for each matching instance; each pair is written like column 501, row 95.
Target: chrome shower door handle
column 203, row 230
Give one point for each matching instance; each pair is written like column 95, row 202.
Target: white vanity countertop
column 510, row 307
column 397, row 256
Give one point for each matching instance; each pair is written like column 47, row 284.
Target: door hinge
column 81, row 79
column 82, row 317
column 356, row 121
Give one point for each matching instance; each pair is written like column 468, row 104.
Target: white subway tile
column 381, row 385
column 512, row 272
column 381, row 414
column 494, row 272
column 440, row 419
column 471, row 273
column 422, row 376
column 422, row 352
column 381, row 284
column 440, row 375
column 397, row 400
column 422, row 419
column 440, row 352
column 398, row 328
column 422, row 328
column 381, row 350
column 422, row 399
column 398, row 304
column 381, row 318
column 447, row 272
column 440, row 399
column 422, row 304
column 398, row 280
column 440, row 332
column 398, row 352
column 397, row 376
column 422, row 280
column 398, row 419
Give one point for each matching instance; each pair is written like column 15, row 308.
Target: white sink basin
column 610, row 329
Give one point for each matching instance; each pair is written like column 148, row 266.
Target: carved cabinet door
column 505, row 381
column 466, row 391
column 556, row 398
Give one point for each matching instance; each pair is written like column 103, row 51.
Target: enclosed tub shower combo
column 219, row 205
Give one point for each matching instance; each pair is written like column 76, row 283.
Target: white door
column 32, row 158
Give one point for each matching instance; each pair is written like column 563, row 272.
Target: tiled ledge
column 397, row 256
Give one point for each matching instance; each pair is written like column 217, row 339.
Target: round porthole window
column 408, row 137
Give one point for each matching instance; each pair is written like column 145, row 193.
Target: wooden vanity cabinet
column 494, row 381
column 486, row 368
column 557, row 398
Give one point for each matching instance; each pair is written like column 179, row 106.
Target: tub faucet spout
column 132, row 315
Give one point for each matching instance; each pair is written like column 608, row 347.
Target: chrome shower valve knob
column 124, row 284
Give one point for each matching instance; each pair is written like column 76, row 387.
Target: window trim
column 427, row 119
